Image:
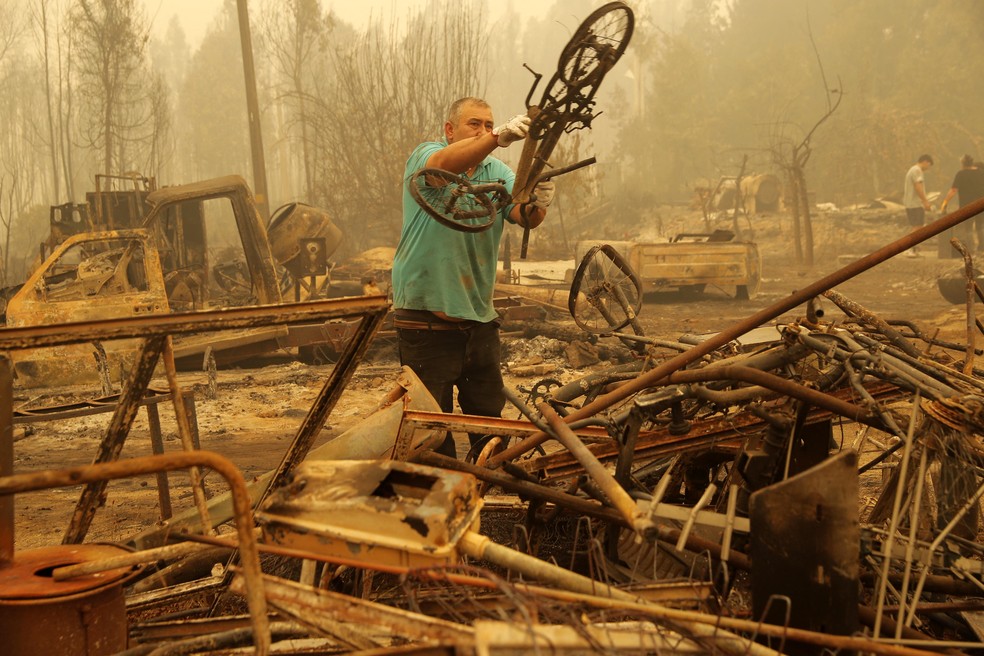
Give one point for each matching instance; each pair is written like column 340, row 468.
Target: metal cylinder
column 84, row 616
column 296, row 221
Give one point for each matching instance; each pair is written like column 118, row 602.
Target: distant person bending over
column 443, row 279
column 914, row 195
column 968, row 183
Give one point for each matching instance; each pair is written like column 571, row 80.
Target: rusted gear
column 963, row 413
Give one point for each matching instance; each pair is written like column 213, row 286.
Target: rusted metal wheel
column 606, row 294
column 457, row 202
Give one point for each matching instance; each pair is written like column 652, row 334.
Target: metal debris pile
column 813, row 486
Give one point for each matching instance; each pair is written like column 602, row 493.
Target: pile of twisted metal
column 817, row 490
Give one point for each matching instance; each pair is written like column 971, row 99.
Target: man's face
column 925, row 165
column 474, row 121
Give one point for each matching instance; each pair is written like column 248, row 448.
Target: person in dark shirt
column 968, row 183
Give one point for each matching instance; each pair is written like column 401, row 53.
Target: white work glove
column 544, row 194
column 515, row 129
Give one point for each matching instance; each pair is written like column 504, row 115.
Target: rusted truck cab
column 89, row 276
column 199, row 246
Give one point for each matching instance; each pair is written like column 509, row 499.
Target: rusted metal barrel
column 83, row 616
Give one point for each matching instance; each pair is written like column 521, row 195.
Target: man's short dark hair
column 967, row 161
column 926, row 158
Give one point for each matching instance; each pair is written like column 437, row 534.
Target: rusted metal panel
column 806, row 548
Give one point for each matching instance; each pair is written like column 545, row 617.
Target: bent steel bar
column 87, row 474
column 179, row 323
column 738, row 329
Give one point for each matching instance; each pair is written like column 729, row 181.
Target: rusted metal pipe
column 149, row 465
column 776, row 384
column 624, row 504
column 857, row 310
column 169, row 552
column 754, row 321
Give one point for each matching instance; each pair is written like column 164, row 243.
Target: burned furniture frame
column 156, row 332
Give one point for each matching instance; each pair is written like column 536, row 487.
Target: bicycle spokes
column 457, row 202
column 606, row 294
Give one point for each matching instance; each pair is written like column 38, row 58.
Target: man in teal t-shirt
column 443, row 279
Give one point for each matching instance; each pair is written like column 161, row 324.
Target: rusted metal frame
column 145, row 465
column 112, row 443
column 185, row 433
column 721, row 433
column 327, row 610
column 589, row 508
column 736, row 330
column 7, row 514
column 330, row 392
column 189, row 322
column 616, row 494
column 422, row 419
column 404, row 437
column 83, row 408
column 855, row 309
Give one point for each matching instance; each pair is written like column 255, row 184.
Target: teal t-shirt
column 440, row 269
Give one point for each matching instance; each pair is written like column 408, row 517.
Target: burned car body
column 199, row 246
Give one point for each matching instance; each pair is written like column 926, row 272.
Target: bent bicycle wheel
column 455, row 201
column 606, row 294
column 596, row 45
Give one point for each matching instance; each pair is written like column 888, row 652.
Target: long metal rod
column 754, row 321
column 896, row 511
column 144, row 465
column 620, row 499
column 330, row 392
column 180, row 323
